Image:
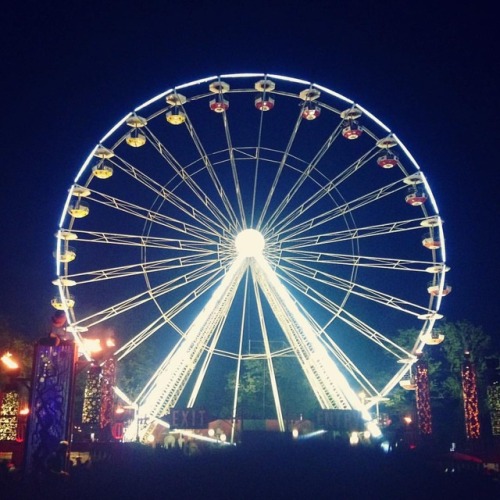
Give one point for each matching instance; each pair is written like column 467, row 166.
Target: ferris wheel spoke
column 257, row 167
column 375, row 336
column 143, row 241
column 206, row 362
column 328, row 383
column 168, row 316
column 316, row 257
column 341, row 356
column 348, row 207
column 184, row 176
column 355, row 233
column 349, row 365
column 351, row 287
column 279, row 171
column 234, row 171
column 357, row 324
column 270, row 366
column 152, row 216
column 213, row 174
column 305, row 174
column 175, row 375
column 140, row 337
column 323, row 190
column 151, row 294
column 170, row 196
column 129, row 270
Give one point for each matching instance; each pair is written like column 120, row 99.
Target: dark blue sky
column 72, row 70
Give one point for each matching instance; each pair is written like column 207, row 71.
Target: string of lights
column 107, row 395
column 424, row 415
column 493, row 394
column 9, row 408
column 471, row 406
column 92, row 396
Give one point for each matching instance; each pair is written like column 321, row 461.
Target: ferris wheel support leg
column 330, row 386
column 171, row 379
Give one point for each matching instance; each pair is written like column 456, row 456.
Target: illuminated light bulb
column 354, row 438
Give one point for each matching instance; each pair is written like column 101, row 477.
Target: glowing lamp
column 354, row 438
column 92, row 345
column 110, row 342
column 9, row 362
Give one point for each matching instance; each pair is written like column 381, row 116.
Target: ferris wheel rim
column 434, row 304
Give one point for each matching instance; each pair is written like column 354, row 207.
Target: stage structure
column 51, row 400
column 98, row 401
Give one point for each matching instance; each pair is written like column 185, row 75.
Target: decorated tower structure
column 470, row 399
column 423, row 401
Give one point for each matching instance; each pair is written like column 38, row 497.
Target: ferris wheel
column 254, row 216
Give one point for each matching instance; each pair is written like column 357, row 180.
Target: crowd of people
column 296, row 470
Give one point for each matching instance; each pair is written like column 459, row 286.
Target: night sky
column 71, row 70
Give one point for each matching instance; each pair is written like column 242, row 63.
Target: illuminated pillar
column 469, row 392
column 22, row 422
column 424, row 416
column 107, row 400
column 51, row 400
column 494, row 406
column 92, row 396
column 9, row 409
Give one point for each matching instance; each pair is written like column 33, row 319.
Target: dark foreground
column 306, row 470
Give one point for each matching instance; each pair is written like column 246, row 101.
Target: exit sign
column 187, row 418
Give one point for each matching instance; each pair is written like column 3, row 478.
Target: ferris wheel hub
column 249, row 243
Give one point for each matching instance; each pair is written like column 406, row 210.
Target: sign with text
column 187, row 418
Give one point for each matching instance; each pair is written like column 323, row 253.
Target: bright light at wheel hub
column 249, row 243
